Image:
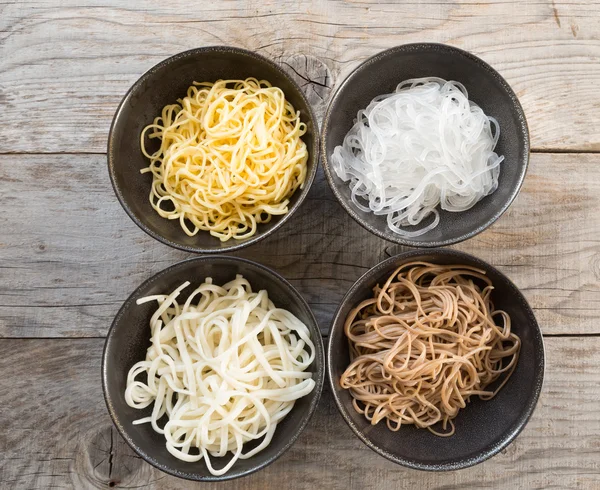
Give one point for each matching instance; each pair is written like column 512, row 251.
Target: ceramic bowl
column 483, row 428
column 164, row 84
column 380, row 75
column 129, row 338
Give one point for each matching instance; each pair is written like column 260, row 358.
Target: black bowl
column 164, row 84
column 380, row 75
column 128, row 340
column 483, row 428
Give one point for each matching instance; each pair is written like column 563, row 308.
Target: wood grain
column 71, row 255
column 64, row 66
column 61, row 435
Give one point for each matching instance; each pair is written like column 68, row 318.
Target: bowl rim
column 524, row 417
column 450, row 50
column 319, row 374
column 314, row 152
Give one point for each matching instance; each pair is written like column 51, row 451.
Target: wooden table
column 69, row 255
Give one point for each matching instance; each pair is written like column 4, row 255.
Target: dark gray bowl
column 483, row 428
column 380, row 75
column 129, row 338
column 164, row 84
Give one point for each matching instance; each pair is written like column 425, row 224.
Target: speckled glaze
column 164, row 84
column 128, row 340
column 380, row 75
column 483, row 428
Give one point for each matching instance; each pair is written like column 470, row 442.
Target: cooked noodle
column 424, row 344
column 225, row 367
column 230, row 157
column 422, row 146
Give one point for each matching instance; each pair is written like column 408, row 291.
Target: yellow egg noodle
column 225, row 367
column 230, row 157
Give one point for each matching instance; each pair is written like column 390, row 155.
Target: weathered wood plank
column 69, row 255
column 64, row 66
column 61, row 436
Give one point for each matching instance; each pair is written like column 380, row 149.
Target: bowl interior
column 380, row 75
column 164, row 84
column 483, row 427
column 128, row 341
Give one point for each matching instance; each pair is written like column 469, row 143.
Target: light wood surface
column 63, row 277
column 65, row 65
column 69, row 255
column 63, row 436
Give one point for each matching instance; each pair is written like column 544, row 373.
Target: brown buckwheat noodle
column 427, row 341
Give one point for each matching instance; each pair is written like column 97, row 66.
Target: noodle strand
column 230, row 157
column 424, row 145
column 223, row 369
column 424, row 344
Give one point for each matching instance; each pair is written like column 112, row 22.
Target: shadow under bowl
column 483, row 428
column 164, row 84
column 486, row 87
column 129, row 338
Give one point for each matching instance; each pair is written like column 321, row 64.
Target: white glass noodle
column 422, row 146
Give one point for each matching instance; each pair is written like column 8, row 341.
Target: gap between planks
column 324, row 335
column 566, row 151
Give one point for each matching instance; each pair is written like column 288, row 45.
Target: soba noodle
column 427, row 341
column 225, row 367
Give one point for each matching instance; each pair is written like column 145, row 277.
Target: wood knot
column 105, row 460
column 314, row 78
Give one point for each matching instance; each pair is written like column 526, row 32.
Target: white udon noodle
column 225, row 367
column 424, row 145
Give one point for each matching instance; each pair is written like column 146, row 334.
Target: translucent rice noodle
column 423, row 145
